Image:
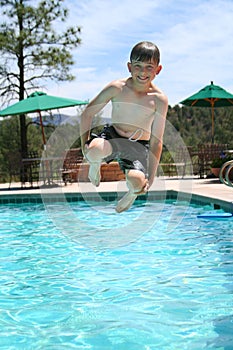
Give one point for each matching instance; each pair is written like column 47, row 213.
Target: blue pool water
column 168, row 288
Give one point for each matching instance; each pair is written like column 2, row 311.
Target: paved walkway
column 211, row 188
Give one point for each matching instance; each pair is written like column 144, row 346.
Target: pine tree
column 32, row 51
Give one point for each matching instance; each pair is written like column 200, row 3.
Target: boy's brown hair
column 145, row 51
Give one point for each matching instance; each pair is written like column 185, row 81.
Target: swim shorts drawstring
column 135, row 133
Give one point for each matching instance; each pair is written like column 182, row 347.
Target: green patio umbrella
column 37, row 102
column 210, row 96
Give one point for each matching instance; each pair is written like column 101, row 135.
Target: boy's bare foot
column 94, row 174
column 125, row 202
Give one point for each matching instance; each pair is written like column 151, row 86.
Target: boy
column 134, row 139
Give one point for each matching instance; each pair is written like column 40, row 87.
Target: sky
column 195, row 39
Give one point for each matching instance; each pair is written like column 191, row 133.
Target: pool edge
column 37, row 198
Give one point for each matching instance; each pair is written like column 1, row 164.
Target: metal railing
column 226, row 173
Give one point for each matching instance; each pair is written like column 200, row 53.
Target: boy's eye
column 138, row 66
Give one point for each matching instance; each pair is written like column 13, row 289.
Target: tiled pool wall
column 112, row 196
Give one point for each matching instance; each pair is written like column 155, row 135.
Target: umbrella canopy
column 210, row 96
column 37, row 102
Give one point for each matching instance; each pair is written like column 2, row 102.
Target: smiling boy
column 135, row 137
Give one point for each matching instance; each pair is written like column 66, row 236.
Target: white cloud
column 198, row 49
column 195, row 38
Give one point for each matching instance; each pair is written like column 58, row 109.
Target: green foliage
column 194, row 124
column 218, row 162
column 10, row 143
column 9, row 139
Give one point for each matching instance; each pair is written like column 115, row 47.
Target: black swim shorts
column 130, row 154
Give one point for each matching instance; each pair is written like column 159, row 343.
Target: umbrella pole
column 42, row 130
column 47, row 167
column 212, row 115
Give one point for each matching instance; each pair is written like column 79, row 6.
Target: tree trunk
column 23, row 129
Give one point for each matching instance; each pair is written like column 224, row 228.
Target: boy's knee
column 137, row 180
column 97, row 149
column 96, row 143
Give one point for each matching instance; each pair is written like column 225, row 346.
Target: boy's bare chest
column 130, row 110
column 130, row 117
column 130, row 97
column 134, row 110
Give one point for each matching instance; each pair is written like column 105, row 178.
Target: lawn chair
column 180, row 163
column 71, row 165
column 206, row 154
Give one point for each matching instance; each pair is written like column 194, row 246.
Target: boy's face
column 143, row 72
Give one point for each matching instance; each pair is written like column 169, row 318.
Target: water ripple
column 168, row 289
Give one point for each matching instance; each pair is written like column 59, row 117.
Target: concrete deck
column 210, row 188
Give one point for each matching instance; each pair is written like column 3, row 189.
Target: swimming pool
column 170, row 287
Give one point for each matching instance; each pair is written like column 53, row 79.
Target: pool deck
column 209, row 188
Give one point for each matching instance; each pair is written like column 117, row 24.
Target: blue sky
column 195, row 39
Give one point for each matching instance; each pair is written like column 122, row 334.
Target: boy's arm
column 156, row 139
column 94, row 107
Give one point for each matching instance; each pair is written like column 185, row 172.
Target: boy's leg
column 137, row 184
column 96, row 151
